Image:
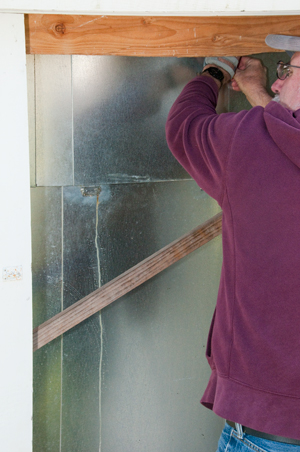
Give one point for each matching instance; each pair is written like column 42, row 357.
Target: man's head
column 287, row 90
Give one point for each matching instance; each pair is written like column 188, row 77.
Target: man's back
column 250, row 163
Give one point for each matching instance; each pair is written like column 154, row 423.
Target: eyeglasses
column 283, row 70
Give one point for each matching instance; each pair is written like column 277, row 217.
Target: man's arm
column 198, row 137
column 251, row 78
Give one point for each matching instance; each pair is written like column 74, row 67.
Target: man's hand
column 251, row 78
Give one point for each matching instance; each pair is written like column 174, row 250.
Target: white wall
column 15, row 248
column 151, row 7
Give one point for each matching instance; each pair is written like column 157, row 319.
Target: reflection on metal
column 47, row 275
column 120, row 109
column 54, row 142
column 81, row 346
column 154, row 369
column 150, row 337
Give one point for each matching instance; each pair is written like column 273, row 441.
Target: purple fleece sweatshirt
column 250, row 163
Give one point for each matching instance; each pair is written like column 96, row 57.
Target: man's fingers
column 234, row 85
column 243, row 63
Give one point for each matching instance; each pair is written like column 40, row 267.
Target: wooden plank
column 126, row 282
column 154, row 36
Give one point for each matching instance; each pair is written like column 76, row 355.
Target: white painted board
column 15, row 242
column 153, row 7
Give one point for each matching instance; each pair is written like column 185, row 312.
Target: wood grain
column 126, row 282
column 154, row 36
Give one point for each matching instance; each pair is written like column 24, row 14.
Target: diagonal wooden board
column 126, row 282
column 161, row 36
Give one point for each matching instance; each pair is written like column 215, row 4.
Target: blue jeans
column 233, row 441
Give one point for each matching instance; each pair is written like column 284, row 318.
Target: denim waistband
column 280, row 439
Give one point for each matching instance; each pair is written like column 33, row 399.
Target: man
column 250, row 163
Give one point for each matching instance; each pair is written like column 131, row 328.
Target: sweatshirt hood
column 284, row 127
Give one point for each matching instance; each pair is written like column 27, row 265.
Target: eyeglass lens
column 282, row 70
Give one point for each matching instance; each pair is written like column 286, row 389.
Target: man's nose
column 277, row 85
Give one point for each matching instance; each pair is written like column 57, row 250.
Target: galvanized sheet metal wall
column 130, row 378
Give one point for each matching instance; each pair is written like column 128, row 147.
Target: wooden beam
column 126, row 282
column 154, row 36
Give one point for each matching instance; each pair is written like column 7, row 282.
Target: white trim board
column 152, row 7
column 15, row 242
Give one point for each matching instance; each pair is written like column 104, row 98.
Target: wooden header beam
column 154, row 36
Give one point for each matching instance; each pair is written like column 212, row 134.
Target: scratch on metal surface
column 62, row 308
column 96, row 241
column 119, row 177
column 100, row 320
